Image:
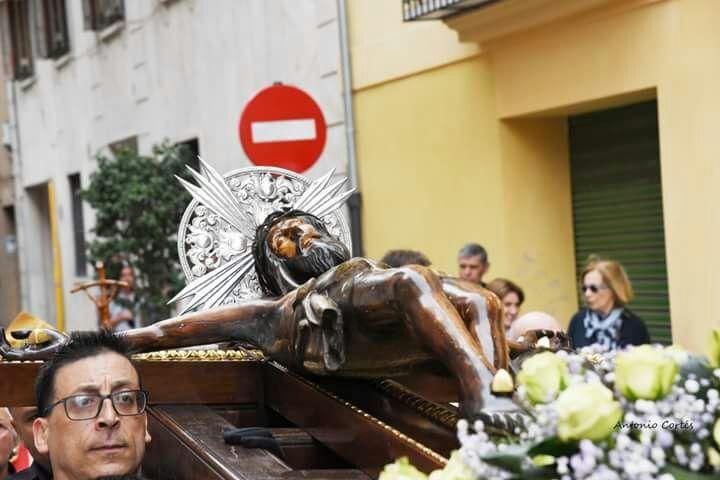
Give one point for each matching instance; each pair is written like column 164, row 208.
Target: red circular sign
column 282, row 126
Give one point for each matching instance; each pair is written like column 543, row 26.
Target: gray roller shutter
column 617, row 203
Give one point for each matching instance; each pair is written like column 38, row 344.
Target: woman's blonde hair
column 613, row 275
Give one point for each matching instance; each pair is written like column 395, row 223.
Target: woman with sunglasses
column 606, row 320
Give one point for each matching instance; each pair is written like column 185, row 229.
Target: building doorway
column 39, row 254
column 617, row 203
column 10, row 278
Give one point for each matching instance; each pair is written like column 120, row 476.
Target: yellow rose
column 715, row 348
column 716, row 432
column 454, row 470
column 713, row 457
column 644, row 372
column 401, row 470
column 587, row 411
column 544, row 375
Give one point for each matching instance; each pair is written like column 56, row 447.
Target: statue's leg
column 254, row 322
column 416, row 293
column 482, row 312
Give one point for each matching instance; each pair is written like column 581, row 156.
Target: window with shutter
column 617, row 203
column 100, row 14
column 55, row 28
column 78, row 225
column 21, row 55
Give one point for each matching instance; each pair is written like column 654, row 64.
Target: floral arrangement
column 647, row 412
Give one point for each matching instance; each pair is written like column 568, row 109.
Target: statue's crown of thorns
column 218, row 228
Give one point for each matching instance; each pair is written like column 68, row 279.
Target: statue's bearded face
column 306, row 250
column 294, row 249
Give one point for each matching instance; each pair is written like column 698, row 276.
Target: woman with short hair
column 606, row 320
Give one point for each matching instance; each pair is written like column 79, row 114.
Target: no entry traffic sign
column 282, row 126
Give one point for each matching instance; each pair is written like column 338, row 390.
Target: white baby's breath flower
column 645, row 406
column 658, row 456
column 712, row 394
column 664, row 438
column 692, row 386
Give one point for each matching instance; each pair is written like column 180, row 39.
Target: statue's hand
column 40, row 344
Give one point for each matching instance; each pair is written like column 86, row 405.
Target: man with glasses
column 91, row 405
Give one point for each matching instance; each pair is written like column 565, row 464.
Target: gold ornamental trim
column 199, row 355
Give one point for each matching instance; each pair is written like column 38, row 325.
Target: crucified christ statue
column 326, row 313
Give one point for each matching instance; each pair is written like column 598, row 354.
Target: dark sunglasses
column 593, row 288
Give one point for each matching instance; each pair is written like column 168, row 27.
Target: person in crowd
column 511, row 296
column 473, row 263
column 22, row 420
column 8, row 442
column 532, row 321
column 400, row 258
column 606, row 320
column 122, row 308
column 92, row 422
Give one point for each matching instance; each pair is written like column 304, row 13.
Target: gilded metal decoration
column 218, row 228
column 201, row 355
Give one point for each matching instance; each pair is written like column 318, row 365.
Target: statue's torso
column 376, row 342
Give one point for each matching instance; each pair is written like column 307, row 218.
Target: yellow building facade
column 462, row 135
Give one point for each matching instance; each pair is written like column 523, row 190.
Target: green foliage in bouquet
column 138, row 205
column 644, row 413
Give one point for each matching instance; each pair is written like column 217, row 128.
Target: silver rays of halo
column 320, row 199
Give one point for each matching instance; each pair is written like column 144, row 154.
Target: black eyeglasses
column 88, row 406
column 593, row 288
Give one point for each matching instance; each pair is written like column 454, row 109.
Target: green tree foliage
column 138, row 204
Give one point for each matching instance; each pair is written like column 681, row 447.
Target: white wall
column 175, row 70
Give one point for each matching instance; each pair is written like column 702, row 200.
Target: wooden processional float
column 348, row 363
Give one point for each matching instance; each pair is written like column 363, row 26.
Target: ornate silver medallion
column 218, row 228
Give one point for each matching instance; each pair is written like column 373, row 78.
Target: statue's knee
column 413, row 276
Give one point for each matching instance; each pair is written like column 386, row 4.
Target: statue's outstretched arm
column 253, row 321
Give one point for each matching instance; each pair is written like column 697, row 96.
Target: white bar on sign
column 283, row 130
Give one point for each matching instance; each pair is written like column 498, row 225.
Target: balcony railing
column 438, row 9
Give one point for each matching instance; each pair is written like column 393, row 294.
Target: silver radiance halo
column 217, row 231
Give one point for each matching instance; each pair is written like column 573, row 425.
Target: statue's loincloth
column 329, row 335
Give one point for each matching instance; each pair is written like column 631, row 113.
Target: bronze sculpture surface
column 325, row 313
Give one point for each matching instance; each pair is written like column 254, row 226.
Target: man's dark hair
column 81, row 345
column 303, row 267
column 473, row 250
column 399, row 258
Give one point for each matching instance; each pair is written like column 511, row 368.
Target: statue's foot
column 503, row 423
column 499, row 414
